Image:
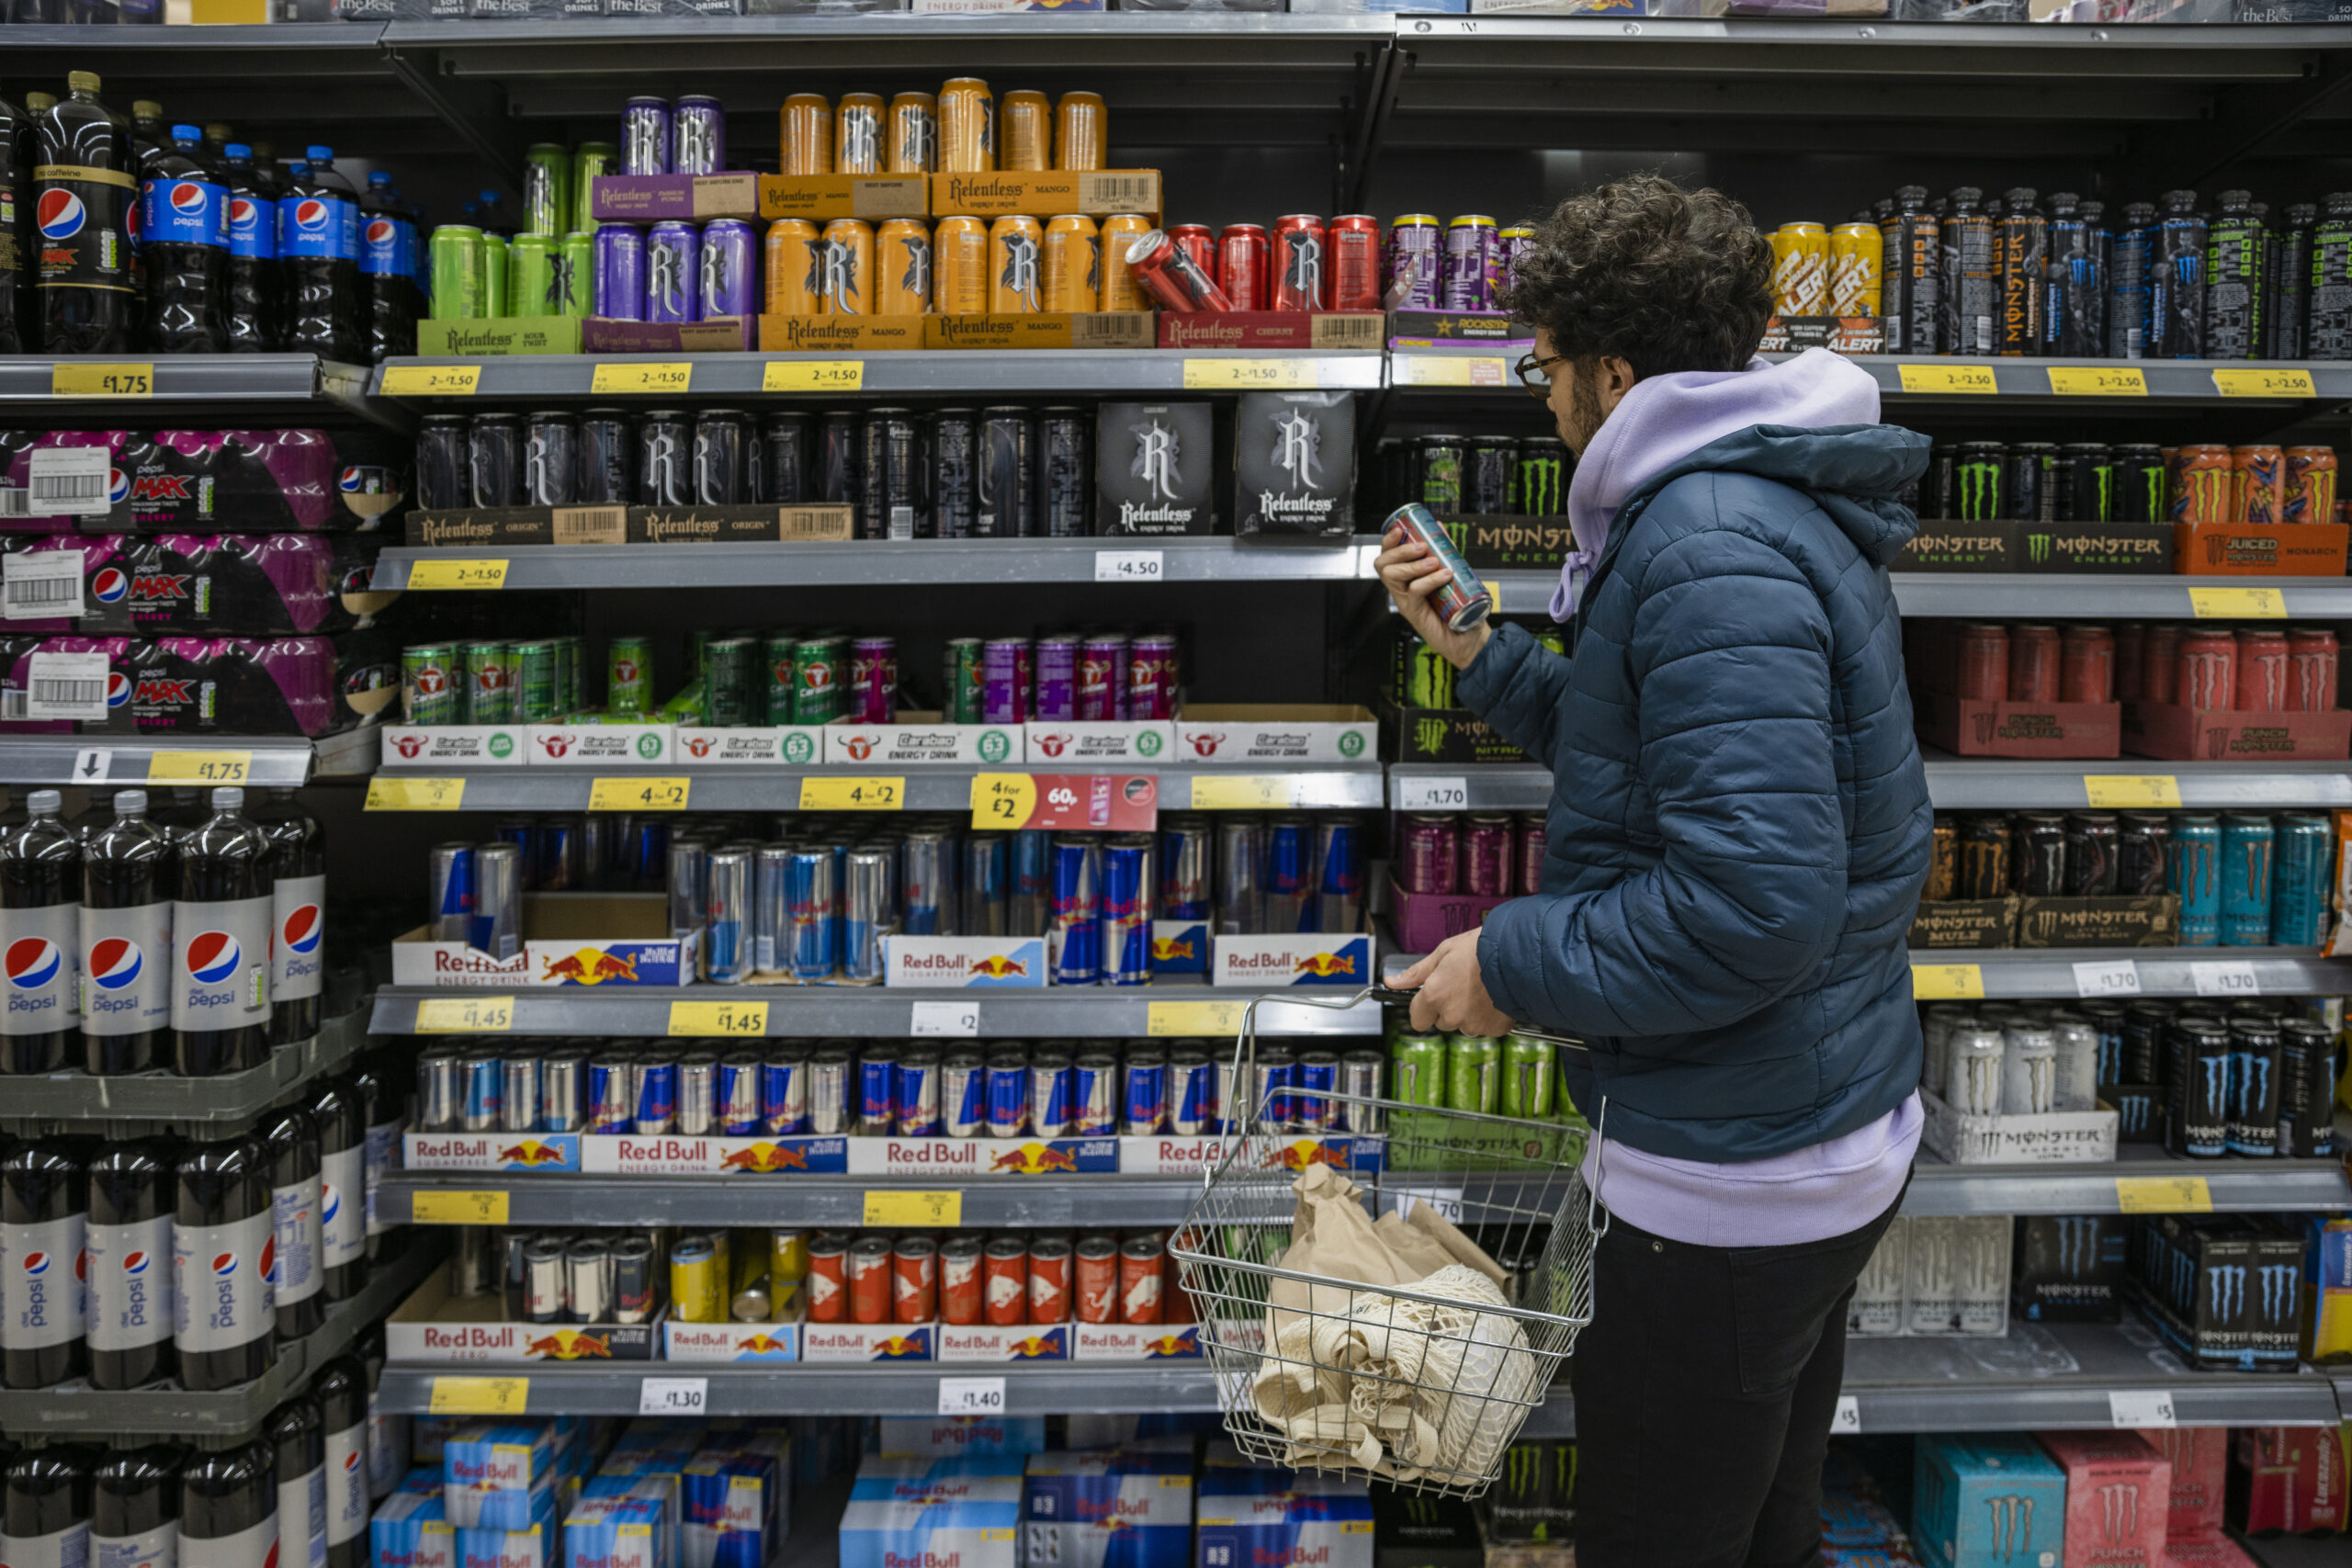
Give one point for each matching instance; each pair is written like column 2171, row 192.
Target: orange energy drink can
column 959, row 267
column 2311, row 485
column 808, row 134
column 1801, row 270
column 966, row 127
column 901, row 268
column 857, row 134
column 1015, row 252
column 914, row 134
column 1856, row 252
column 793, row 257
column 2202, row 484
column 1081, row 131
column 1119, row 291
column 2257, row 486
column 1026, row 131
column 1073, row 266
column 845, row 273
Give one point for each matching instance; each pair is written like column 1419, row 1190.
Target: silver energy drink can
column 563, row 1090
column 518, row 1109
column 440, row 1090
column 1360, row 1073
column 453, row 892
column 697, row 1094
column 1972, row 1071
column 727, row 931
column 544, row 1296
column 770, row 924
column 588, row 1278
column 829, row 1087
column 1464, row 602
column 498, row 899
column 689, row 888
column 2075, row 1087
column 2028, row 1070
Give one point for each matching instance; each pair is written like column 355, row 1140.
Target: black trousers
column 1705, row 1389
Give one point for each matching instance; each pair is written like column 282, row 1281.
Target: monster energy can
column 547, row 189
column 1978, row 473
column 1473, row 1073
column 1543, row 469
column 960, row 681
column 1424, row 678
column 1436, row 477
column 538, row 675
column 2086, row 482
column 1416, row 1069
column 1527, row 1078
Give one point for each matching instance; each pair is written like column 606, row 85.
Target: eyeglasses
column 1530, row 368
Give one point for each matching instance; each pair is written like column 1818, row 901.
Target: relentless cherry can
column 1242, row 253
column 1301, row 280
column 1464, row 602
column 1351, row 262
column 1197, row 241
column 1166, row 271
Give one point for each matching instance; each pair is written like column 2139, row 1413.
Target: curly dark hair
column 1664, row 278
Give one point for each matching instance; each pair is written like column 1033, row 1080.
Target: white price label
column 1432, row 794
column 2118, row 979
column 67, row 686
column 41, row 584
column 1128, row 566
column 971, row 1396
column 1847, row 1419
column 673, row 1396
column 2136, row 1408
column 955, row 1020
column 2234, row 978
column 70, row 481
column 1446, row 1200
column 92, row 764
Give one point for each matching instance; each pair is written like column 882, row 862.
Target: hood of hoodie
column 1810, row 423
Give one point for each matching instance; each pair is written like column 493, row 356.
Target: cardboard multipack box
column 2327, row 1244
column 1443, row 735
column 959, row 1436
column 1415, row 1530
column 2207, row 1551
column 1124, row 330
column 433, row 1326
column 1247, row 1513
column 567, row 939
column 999, row 1343
column 479, row 337
column 2289, row 1480
column 863, row 1342
column 1839, row 334
column 1136, row 1342
column 608, row 1531
column 430, row 745
column 1244, row 331
column 1122, row 1508
column 2118, row 1491
column 1296, row 958
column 731, row 1341
column 1951, row 544
column 1241, row 733
column 1964, row 923
column 412, row 1529
column 2052, row 1138
column 2199, row 1458
column 1988, row 1500
column 1155, row 470
column 1534, row 1497
column 534, row 1545
column 2269, row 549
column 1493, row 330
column 1972, row 727
column 2069, row 1268
column 588, row 744
column 1421, row 920
column 2143, row 920
column 994, row 961
column 959, row 1513
column 652, row 198
column 1295, row 465
column 821, row 523
column 2224, row 1291
column 558, row 1152
column 734, row 1497
column 823, row 198
column 843, row 334
column 1002, row 193
column 782, row 745
column 2215, row 735
column 713, row 335
column 668, row 1154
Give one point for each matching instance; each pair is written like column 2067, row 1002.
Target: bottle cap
column 229, row 799
column 130, row 802
column 238, row 150
column 44, row 802
column 186, row 134
column 82, row 81
column 318, row 155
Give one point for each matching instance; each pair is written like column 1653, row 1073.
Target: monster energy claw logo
column 1019, row 276
column 2037, row 547
column 2226, row 1291
column 1429, row 735
column 2119, row 1512
column 1539, row 486
column 2077, row 1237
column 1980, row 491
column 2012, row 1527
column 1297, row 441
column 2279, row 1304
column 1156, row 459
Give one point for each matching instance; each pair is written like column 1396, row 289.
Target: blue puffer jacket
column 1739, row 826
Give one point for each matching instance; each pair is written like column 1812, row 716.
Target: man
column 1738, row 832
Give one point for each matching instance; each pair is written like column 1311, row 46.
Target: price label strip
column 450, row 576
column 1208, row 1019
column 1848, row 1417
column 123, row 380
column 896, row 1207
column 2163, row 1195
column 2092, row 381
column 1252, row 375
column 732, row 1019
column 1130, row 566
column 1973, row 380
column 464, row 1015
column 971, row 1396
column 2120, row 978
column 1242, row 792
column 416, row 795
column 1418, row 793
column 852, row 793
column 945, row 1021
column 2136, row 1409
column 1116, row 803
column 813, row 376
column 2237, row 604
column 1948, row 982
column 2130, row 791
column 431, row 380
column 2251, row 383
column 200, row 767
column 664, row 376
column 2234, row 977
column 639, row 794
column 480, row 1396
column 1450, row 370
column 673, row 1396
column 458, row 1209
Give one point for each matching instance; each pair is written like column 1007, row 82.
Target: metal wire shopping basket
column 1423, row 1385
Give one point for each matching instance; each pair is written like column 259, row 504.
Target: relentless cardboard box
column 1976, row 729
column 1154, row 468
column 822, row 197
column 1293, row 330
column 847, row 335
column 2148, row 921
column 1295, row 464
column 1966, row 922
column 650, row 199
column 2069, row 1268
column 483, row 525
column 1097, row 193
column 1044, row 328
column 2278, row 549
column 495, row 336
column 720, row 335
column 2213, row 734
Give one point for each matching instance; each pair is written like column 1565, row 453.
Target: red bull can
column 1125, row 922
column 1290, row 875
column 1143, row 1092
column 697, row 1094
column 518, row 1109
column 1094, row 1094
column 878, row 1088
column 738, row 1099
column 868, row 910
column 1189, row 1093
column 482, row 1077
column 964, row 1094
column 1184, row 850
column 1007, row 1092
column 1339, row 854
column 1270, row 1091
column 654, row 1104
column 915, row 1098
column 784, row 1092
column 440, row 1092
column 810, row 905
column 829, row 1091
column 1026, row 877
column 1312, row 1077
column 563, row 1090
column 729, row 927
column 1050, row 1074
column 453, row 892
column 1464, row 602
column 1074, row 938
column 612, row 1093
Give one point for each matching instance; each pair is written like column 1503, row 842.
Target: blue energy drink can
column 1050, row 1112
column 964, row 1094
column 987, row 878
column 1125, row 922
column 1185, row 851
column 877, row 1091
column 915, row 1097
column 1314, row 1076
column 1339, row 880
column 1191, row 1093
column 1026, row 877
column 809, row 901
column 1094, row 1094
column 1143, row 1092
column 1289, row 875
column 742, row 1077
column 1007, row 1092
column 482, row 1076
column 645, row 857
column 927, row 884
column 2298, row 881
column 1075, row 932
column 655, row 1103
column 729, row 930
column 2195, row 866
column 784, row 1092
column 612, row 1093
column 453, row 892
column 2249, row 844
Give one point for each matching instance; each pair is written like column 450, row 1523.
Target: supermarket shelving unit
column 104, row 761
column 216, row 385
column 166, row 1100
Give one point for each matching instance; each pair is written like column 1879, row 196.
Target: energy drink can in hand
column 1464, row 601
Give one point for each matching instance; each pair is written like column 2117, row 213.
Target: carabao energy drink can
column 1464, row 602
column 1527, row 1078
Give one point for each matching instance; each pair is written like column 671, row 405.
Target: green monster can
column 1553, row 638
column 530, row 275
column 959, row 680
column 457, row 268
column 430, row 676
column 628, row 674
column 1473, row 1073
column 728, row 675
column 1417, row 1070
column 575, row 272
column 817, row 688
column 1424, row 679
column 539, row 669
column 588, row 160
column 1527, row 1079
column 490, row 690
column 781, row 655
column 547, row 189
column 493, row 277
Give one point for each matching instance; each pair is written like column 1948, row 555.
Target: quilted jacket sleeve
column 1728, row 651
column 1518, row 686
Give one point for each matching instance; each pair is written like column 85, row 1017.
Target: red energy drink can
column 914, row 1279
column 1004, row 1280
column 1167, row 272
column 827, row 1278
column 2205, row 672
column 1302, row 280
column 1430, row 858
column 1351, row 250
column 1464, row 602
column 1242, row 255
column 2310, row 670
column 2086, row 665
column 1983, row 672
column 1486, row 857
column 1050, row 1270
column 959, row 1280
column 2261, row 683
column 1197, row 241
column 869, row 1279
column 2130, row 652
column 2034, row 656
column 1098, row 1279
column 1534, row 843
column 1142, row 1262
column 2159, row 663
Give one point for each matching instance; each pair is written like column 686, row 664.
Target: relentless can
column 1081, row 131
column 1244, row 258
column 959, row 265
column 1015, row 267
column 913, row 134
column 901, row 268
column 807, row 133
column 1352, row 262
column 730, row 270
column 845, row 282
column 672, row 273
column 646, row 146
column 857, row 134
column 967, row 141
column 1171, row 277
column 1071, row 270
column 1300, row 279
column 455, row 260
column 1119, row 290
column 796, row 259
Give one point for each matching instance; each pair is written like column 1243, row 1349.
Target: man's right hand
column 1411, row 574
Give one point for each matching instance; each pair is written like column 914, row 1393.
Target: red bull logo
column 760, row 1346
column 902, row 1348
column 997, row 966
column 1167, row 1345
column 568, row 1345
column 1033, row 1159
column 1036, row 1347
column 1307, row 1152
column 1165, row 948
column 591, row 966
column 766, row 1157
column 1324, row 965
column 530, row 1152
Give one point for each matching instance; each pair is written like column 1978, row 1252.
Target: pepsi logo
column 244, row 214
column 349, row 481
column 36, row 1262
column 116, row 962
column 33, row 962
column 82, row 1264
column 118, row 487
column 381, row 231
column 271, row 1560
column 351, row 1459
column 310, row 215
column 188, row 197
column 118, row 688
column 214, row 957
column 60, row 214
column 224, row 1265
column 134, row 221
column 269, row 1258
column 330, row 1202
column 134, row 1262
column 110, row 584
column 301, row 931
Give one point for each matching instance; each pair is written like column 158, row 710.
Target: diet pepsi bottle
column 184, row 241
column 298, row 871
column 318, row 240
column 256, row 290
column 125, row 940
column 83, row 219
column 45, row 1509
column 224, row 1246
column 128, row 1242
column 341, row 1389
column 40, row 936
column 135, row 1509
column 333, row 1105
column 220, row 920
column 42, row 1266
column 388, row 247
column 299, row 1434
column 15, row 261
column 228, row 1508
column 294, row 1180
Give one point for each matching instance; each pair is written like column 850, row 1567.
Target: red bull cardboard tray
column 1001, row 1342
column 1302, row 958
column 776, row 1342
column 839, row 1342
column 558, row 1152
column 432, row 1326
column 568, row 938
column 933, row 962
column 624, row 1154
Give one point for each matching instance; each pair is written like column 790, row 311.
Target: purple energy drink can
column 1469, row 247
column 1487, row 856
column 1074, row 935
column 645, row 136
column 874, row 680
column 618, row 290
column 1416, row 246
column 1004, row 680
column 1185, row 851
column 672, row 273
column 700, row 137
column 1151, row 678
column 1532, row 845
column 1429, row 859
column 1008, row 1093
column 730, row 269
column 1058, row 679
column 1102, row 679
column 1126, row 909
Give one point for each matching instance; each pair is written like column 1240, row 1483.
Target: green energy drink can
column 547, row 189
column 1416, row 1069
column 1543, row 469
column 430, row 674
column 817, row 687
column 530, row 275
column 1527, row 1079
column 588, row 160
column 489, row 686
column 575, row 271
column 781, row 656
column 576, row 673
column 1473, row 1073
column 698, row 653
column 456, row 263
column 1553, row 638
column 1424, row 680
column 959, row 680
column 538, row 668
column 494, row 297
column 628, row 674
column 727, row 674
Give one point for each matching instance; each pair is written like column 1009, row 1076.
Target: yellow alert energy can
column 1801, row 270
column 1856, row 252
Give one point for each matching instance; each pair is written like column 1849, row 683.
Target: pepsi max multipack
column 246, row 584
column 182, row 685
column 200, row 481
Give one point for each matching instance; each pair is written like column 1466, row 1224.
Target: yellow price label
column 1193, row 1018
column 2251, row 383
column 480, row 1396
column 639, row 794
column 1003, row 800
column 853, row 795
column 2130, row 791
column 2091, row 382
column 1948, row 982
column 1207, row 374
column 458, row 1209
column 813, row 376
column 738, row 1019
column 896, row 1208
column 1972, row 379
column 464, row 1015
column 431, row 380
column 1242, row 792
column 2163, row 1195
column 200, row 767
column 664, row 376
column 416, row 795
column 426, row 575
column 102, row 381
column 2237, row 604
column 1450, row 370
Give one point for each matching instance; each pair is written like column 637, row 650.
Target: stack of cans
column 1479, row 476
column 1065, row 678
column 1487, row 854
column 1007, row 1279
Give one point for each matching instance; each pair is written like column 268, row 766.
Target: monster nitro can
column 1464, row 601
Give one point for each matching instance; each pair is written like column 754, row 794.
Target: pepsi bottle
column 341, row 1389
column 388, row 1434
column 41, row 1265
column 298, row 1433
column 184, row 245
column 16, row 273
column 318, row 240
column 40, row 937
column 128, row 1242
column 256, row 292
column 383, row 1115
column 297, row 868
column 45, row 1509
column 135, row 1509
column 223, row 1247
column 82, row 213
column 125, row 940
column 147, row 137
column 220, row 920
column 387, row 249
column 294, row 1180
column 228, row 1508
column 333, row 1105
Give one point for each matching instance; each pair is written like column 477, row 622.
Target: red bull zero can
column 1007, row 1092
column 1094, row 1094
column 1126, row 923
column 740, row 1084
column 964, row 1094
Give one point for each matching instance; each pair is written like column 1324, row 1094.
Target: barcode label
column 816, row 523
column 1348, row 332
column 67, row 686
column 902, row 522
column 69, row 480
column 1131, row 190
column 15, row 503
column 1111, row 329
column 591, row 525
column 12, row 705
column 42, row 584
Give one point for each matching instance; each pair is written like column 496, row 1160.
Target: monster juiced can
column 1464, row 601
